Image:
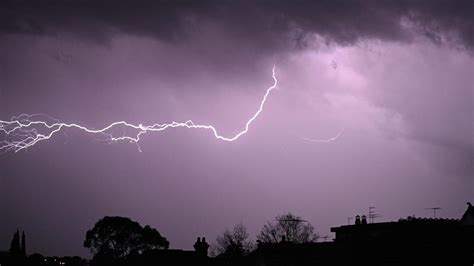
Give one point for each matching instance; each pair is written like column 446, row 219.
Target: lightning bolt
column 324, row 140
column 24, row 131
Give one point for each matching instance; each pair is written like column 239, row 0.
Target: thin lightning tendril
column 22, row 132
column 324, row 140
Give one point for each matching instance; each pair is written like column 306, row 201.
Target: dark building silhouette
column 410, row 241
column 468, row 217
column 174, row 257
column 294, row 254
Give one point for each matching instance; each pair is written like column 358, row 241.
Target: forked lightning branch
column 24, row 131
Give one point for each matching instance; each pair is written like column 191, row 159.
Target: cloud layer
column 283, row 24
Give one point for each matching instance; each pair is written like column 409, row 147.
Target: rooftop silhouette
column 408, row 241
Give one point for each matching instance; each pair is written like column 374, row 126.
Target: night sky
column 393, row 80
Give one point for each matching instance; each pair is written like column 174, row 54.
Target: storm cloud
column 281, row 24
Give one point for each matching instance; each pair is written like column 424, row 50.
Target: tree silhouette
column 118, row 237
column 152, row 239
column 287, row 227
column 15, row 249
column 234, row 243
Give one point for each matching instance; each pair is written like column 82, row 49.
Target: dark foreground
column 410, row 241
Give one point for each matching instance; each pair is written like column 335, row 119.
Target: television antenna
column 349, row 220
column 434, row 210
column 373, row 215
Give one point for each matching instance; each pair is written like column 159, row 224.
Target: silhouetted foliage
column 118, row 237
column 234, row 243
column 36, row 259
column 288, row 227
column 15, row 244
column 23, row 244
column 152, row 239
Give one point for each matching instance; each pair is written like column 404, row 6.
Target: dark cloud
column 284, row 24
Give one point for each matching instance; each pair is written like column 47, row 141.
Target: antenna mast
column 373, row 215
column 434, row 210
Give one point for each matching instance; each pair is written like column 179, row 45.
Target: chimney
column 357, row 220
column 201, row 247
column 364, row 219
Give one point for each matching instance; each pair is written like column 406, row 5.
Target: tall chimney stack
column 201, row 247
column 357, row 220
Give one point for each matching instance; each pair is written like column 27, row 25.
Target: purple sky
column 396, row 77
